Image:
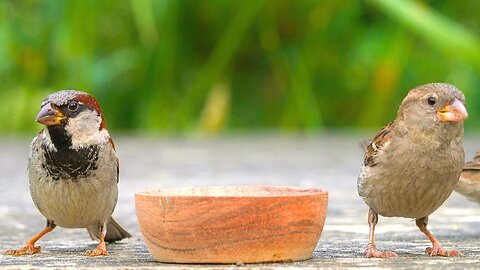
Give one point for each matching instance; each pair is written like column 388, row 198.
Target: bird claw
column 27, row 249
column 96, row 252
column 374, row 253
column 437, row 250
column 101, row 250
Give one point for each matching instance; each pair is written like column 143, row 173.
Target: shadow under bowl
column 231, row 224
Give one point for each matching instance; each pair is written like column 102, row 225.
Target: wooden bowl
column 246, row 224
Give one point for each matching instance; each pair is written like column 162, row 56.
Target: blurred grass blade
column 305, row 106
column 145, row 21
column 217, row 107
column 386, row 75
column 436, row 28
column 110, row 67
column 224, row 51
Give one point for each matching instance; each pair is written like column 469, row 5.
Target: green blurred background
column 182, row 67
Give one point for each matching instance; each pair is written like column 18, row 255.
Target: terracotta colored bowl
column 231, row 224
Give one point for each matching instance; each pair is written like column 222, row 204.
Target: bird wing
column 118, row 161
column 376, row 144
column 473, row 164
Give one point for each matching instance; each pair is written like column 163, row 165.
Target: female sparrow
column 469, row 182
column 412, row 165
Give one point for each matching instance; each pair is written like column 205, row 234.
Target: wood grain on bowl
column 231, row 224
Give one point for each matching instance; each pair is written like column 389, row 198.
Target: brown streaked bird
column 469, row 183
column 73, row 170
column 412, row 165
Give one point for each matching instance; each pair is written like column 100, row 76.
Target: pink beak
column 455, row 112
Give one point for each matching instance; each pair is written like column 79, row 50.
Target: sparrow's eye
column 73, row 106
column 431, row 101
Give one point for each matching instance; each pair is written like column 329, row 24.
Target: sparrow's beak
column 49, row 116
column 455, row 112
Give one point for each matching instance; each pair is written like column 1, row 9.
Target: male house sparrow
column 73, row 170
column 469, row 182
column 412, row 165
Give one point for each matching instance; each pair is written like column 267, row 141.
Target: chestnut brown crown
column 60, row 106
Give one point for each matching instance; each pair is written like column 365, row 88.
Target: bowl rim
column 281, row 191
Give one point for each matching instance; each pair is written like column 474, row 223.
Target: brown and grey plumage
column 73, row 170
column 412, row 165
column 469, row 183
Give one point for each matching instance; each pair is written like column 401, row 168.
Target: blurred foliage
column 177, row 66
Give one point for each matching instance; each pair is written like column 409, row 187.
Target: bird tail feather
column 115, row 232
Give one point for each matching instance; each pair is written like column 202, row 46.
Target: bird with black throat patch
column 413, row 164
column 73, row 171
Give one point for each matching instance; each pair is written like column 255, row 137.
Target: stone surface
column 330, row 161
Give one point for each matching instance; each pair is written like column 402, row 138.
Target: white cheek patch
column 84, row 129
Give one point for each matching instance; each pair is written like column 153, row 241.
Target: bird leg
column 437, row 249
column 372, row 251
column 30, row 247
column 101, row 249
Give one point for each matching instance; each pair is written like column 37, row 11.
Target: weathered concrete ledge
column 329, row 161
